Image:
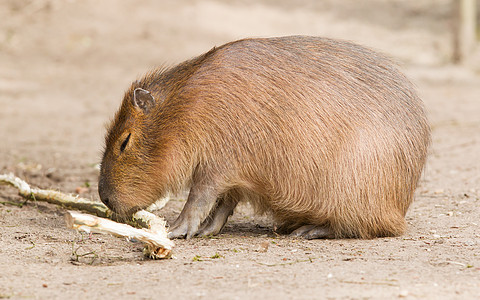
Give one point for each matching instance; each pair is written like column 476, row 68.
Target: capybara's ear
column 143, row 100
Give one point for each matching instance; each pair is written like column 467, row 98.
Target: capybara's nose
column 106, row 201
column 103, row 193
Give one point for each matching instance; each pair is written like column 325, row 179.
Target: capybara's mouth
column 124, row 216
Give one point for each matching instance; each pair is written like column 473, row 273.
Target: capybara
column 326, row 135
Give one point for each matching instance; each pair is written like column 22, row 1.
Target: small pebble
column 263, row 247
column 469, row 243
column 403, row 294
column 81, row 190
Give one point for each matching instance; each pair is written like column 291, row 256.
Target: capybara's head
column 127, row 176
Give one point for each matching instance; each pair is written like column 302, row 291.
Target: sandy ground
column 64, row 66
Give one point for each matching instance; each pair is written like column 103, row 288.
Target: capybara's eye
column 125, row 142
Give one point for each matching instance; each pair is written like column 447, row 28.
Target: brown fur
column 317, row 131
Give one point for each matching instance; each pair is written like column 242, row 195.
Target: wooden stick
column 157, row 243
column 54, row 197
column 66, row 200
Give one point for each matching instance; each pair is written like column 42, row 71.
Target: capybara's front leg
column 218, row 217
column 201, row 200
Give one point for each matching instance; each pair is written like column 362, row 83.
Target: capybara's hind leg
column 218, row 217
column 310, row 232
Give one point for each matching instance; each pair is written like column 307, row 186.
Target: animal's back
column 320, row 132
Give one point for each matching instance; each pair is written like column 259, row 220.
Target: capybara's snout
column 104, row 192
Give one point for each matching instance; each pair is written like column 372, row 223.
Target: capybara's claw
column 183, row 229
column 176, row 234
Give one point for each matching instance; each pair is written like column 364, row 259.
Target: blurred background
column 64, row 64
column 64, row 67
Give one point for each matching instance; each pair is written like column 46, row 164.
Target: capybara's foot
column 310, row 232
column 211, row 227
column 215, row 222
column 177, row 232
column 183, row 228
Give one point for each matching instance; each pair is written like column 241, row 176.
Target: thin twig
column 66, row 200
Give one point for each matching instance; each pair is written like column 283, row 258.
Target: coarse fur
column 322, row 133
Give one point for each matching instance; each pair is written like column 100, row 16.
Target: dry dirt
column 63, row 68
